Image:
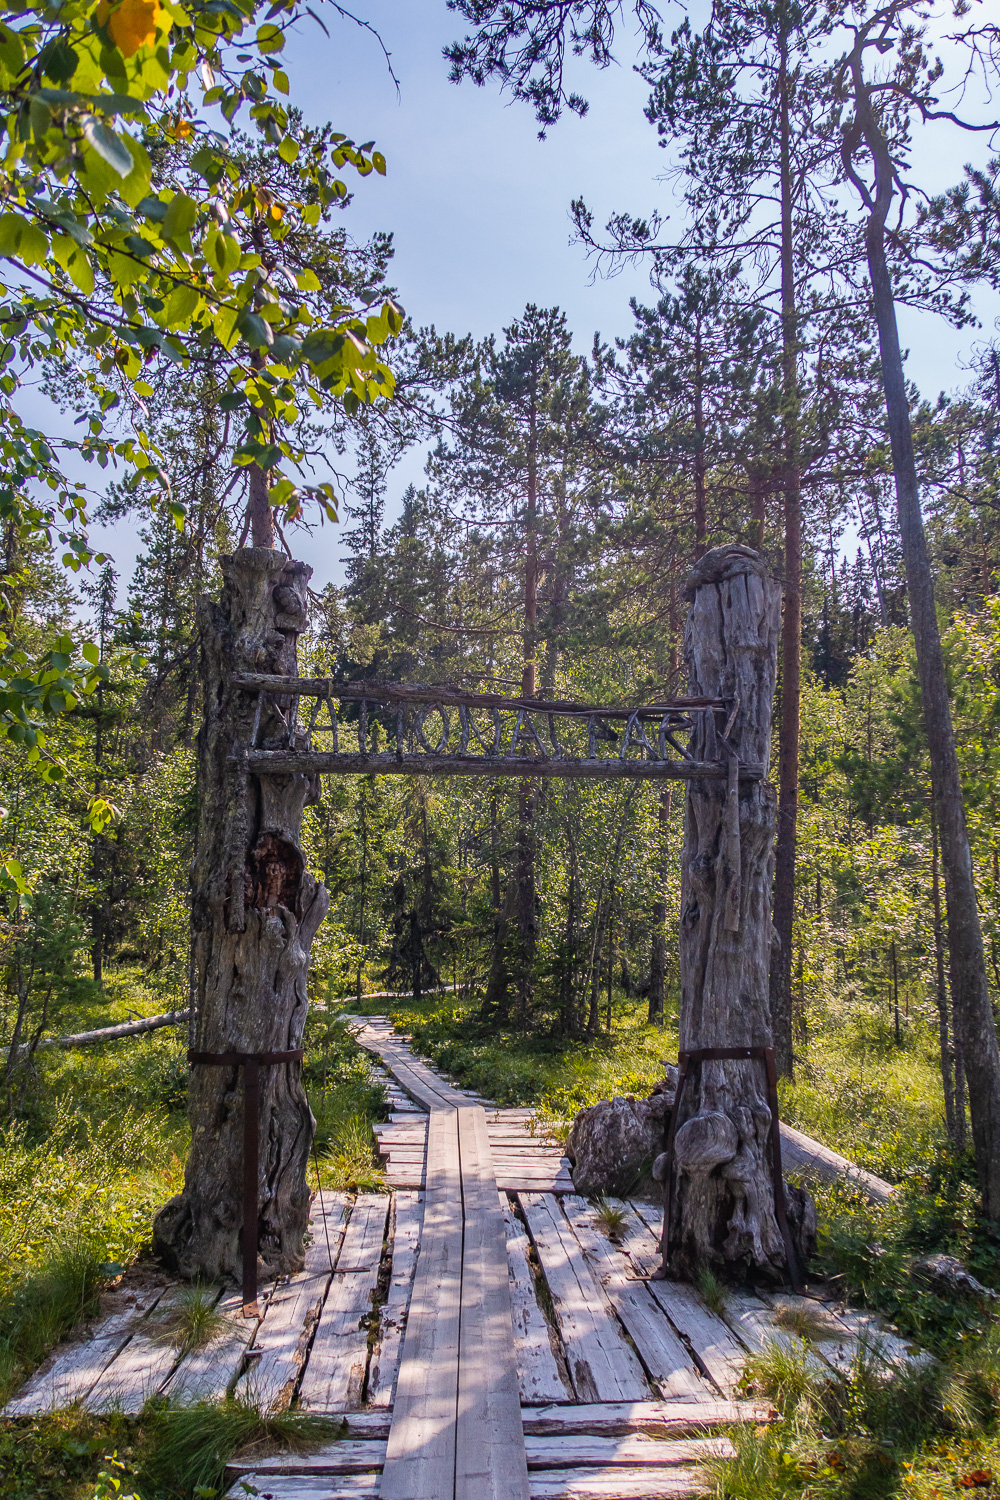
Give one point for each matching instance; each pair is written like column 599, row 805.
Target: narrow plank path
column 478, row 1329
column 456, row 1416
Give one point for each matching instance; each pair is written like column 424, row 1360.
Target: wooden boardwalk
column 478, row 1331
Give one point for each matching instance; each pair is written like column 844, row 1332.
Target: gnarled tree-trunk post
column 255, row 911
column 722, row 1206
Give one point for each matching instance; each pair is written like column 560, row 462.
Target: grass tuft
column 186, row 1448
column 612, row 1218
column 713, row 1293
column 196, row 1322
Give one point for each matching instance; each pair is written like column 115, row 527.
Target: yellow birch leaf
column 133, row 24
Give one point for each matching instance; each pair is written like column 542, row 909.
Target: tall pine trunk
column 658, row 946
column 975, row 1030
column 791, row 629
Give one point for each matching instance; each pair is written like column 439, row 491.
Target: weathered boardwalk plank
column 601, row 1365
column 206, row 1374
column 668, row 1363
column 345, row 1456
column 420, row 1459
column 335, row 1374
column 72, row 1370
column 538, row 1374
column 489, row 1443
column 614, row 1484
column 407, row 1218
column 662, row 1419
column 144, row 1364
column 281, row 1344
column 717, row 1349
column 620, row 1452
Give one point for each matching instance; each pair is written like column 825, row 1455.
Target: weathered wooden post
column 722, row 1210
column 255, row 911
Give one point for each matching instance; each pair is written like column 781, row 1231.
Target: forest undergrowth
column 98, row 1143
column 931, row 1432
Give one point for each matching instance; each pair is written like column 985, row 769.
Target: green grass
column 184, row 1449
column 869, row 1435
column 197, row 1321
column 75, row 1209
column 559, row 1076
column 169, row 1452
column 97, row 1146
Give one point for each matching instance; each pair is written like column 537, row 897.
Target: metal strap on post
column 251, row 1063
column 732, row 1054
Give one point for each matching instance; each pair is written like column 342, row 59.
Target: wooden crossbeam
column 412, row 692
column 313, row 762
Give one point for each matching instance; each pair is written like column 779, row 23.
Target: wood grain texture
column 566, row 1452
column 407, row 1219
column 338, row 1359
column 207, row 1374
column 538, row 1375
column 305, row 1486
column 143, row 1366
column 420, row 1459
column 601, row 1365
column 666, row 1419
column 666, row 1360
column 615, row 1484
column 346, row 1456
column 489, row 1443
column 723, row 1211
column 255, row 910
column 73, row 1369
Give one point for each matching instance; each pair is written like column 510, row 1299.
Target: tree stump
column 255, row 910
column 722, row 1211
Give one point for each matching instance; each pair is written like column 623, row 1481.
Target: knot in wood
column 275, row 874
column 704, row 1142
column 288, row 601
column 722, row 563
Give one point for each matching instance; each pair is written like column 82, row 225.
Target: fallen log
column 111, row 1033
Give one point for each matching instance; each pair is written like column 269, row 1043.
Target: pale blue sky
column 479, row 207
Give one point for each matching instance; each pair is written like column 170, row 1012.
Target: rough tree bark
column 975, row 1028
column 791, row 630
column 722, row 1207
column 658, row 945
column 255, row 911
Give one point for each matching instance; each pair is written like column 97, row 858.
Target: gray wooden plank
column 279, row 1349
column 719, row 1352
column 74, row 1368
column 207, row 1373
column 420, row 1459
column 715, row 1346
column 143, row 1366
column 335, row 1371
column 345, row 1456
column 668, row 1363
column 408, row 1212
column 489, row 1443
column 305, row 1486
column 538, row 1374
column 755, row 1325
column 610, row 1484
column 666, row 1419
column 621, row 1452
column 601, row 1365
